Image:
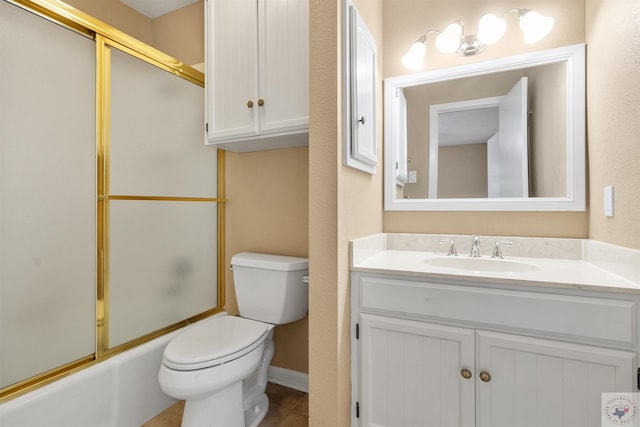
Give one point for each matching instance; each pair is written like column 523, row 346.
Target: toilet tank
column 269, row 288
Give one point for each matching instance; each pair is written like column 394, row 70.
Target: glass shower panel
column 162, row 254
column 157, row 133
column 47, row 195
column 163, row 265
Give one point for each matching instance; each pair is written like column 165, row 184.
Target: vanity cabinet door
column 257, row 73
column 531, row 382
column 411, row 374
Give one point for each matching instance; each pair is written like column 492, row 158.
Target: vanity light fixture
column 491, row 28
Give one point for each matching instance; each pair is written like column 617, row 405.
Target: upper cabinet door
column 257, row 74
column 284, row 64
column 232, row 68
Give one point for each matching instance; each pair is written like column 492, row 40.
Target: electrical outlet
column 413, row 177
column 608, row 201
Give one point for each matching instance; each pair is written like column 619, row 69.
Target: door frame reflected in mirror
column 575, row 200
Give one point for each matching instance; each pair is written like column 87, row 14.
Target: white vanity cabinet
column 445, row 353
column 257, row 74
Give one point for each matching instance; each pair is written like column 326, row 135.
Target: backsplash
column 528, row 247
column 622, row 261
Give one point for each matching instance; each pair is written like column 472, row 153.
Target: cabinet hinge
column 206, row 127
column 357, row 409
column 638, row 378
column 358, row 332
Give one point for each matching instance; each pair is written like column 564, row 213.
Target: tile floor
column 287, row 408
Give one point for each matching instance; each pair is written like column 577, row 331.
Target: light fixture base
column 470, row 45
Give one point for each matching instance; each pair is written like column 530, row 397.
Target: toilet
column 219, row 365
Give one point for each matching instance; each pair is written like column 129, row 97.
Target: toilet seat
column 213, row 342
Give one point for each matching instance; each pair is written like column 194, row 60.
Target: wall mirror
column 501, row 135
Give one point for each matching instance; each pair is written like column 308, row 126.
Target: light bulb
column 414, row 58
column 491, row 28
column 449, row 40
column 535, row 26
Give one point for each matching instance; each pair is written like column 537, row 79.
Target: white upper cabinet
column 257, row 74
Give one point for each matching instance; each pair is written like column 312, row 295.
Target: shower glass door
column 110, row 207
column 161, row 187
column 47, row 196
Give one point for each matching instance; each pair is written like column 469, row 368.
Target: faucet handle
column 475, row 246
column 452, row 247
column 497, row 252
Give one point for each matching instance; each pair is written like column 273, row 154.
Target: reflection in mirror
column 504, row 134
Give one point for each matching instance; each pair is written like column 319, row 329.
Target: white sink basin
column 482, row 264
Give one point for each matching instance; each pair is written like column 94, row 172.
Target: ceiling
column 474, row 126
column 155, row 8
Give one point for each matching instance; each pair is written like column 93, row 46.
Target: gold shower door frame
column 108, row 38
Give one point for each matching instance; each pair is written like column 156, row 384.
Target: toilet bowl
column 219, row 365
column 201, row 365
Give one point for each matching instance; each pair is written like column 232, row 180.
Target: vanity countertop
column 380, row 254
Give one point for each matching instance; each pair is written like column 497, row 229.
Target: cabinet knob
column 485, row 376
column 260, row 102
column 250, row 104
column 361, row 120
column 466, row 374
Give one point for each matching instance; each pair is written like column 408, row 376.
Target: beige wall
column 118, row 15
column 179, row 33
column 404, row 21
column 327, row 394
column 343, row 204
column 267, row 210
column 462, row 171
column 613, row 113
column 548, row 157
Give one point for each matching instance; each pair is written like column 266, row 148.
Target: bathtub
column 122, row 391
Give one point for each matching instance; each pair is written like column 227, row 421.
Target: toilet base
column 255, row 414
column 221, row 409
column 241, row 403
column 256, row 402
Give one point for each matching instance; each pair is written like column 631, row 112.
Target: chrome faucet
column 452, row 247
column 475, row 248
column 497, row 252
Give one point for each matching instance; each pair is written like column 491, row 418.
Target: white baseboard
column 289, row 378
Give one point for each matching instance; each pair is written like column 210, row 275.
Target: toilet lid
column 214, row 341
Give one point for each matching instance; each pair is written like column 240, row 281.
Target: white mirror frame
column 574, row 56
